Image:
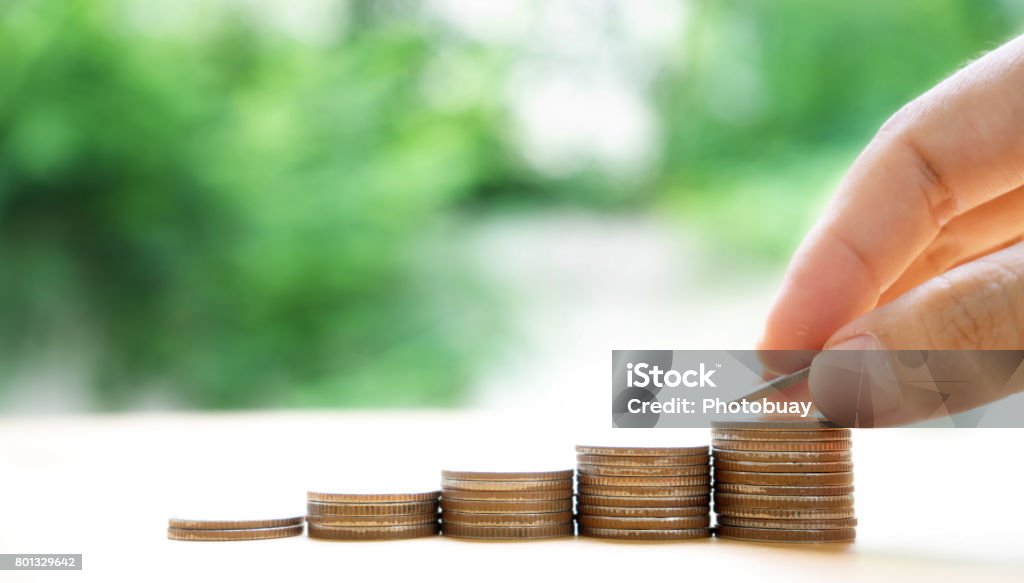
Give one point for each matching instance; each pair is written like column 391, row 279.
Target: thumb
column 975, row 313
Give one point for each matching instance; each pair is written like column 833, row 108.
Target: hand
column 919, row 248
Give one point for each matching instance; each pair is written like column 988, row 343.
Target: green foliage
column 229, row 212
column 789, row 90
column 196, row 200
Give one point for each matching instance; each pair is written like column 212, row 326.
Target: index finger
column 952, row 149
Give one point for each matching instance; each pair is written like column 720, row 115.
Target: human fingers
column 949, row 151
column 977, row 307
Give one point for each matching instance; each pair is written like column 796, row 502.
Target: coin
column 367, row 498
column 638, row 471
column 501, row 507
column 751, row 501
column 393, row 520
column 644, row 461
column 507, row 532
column 628, row 511
column 651, row 491
column 781, row 435
column 783, row 479
column 373, row 532
column 644, row 501
column 588, row 480
column 373, row 508
column 647, row 535
column 448, row 483
column 726, row 520
column 783, row 456
column 644, row 523
column 766, row 479
column 785, row 513
column 786, row 468
column 184, row 523
column 729, row 488
column 642, row 451
column 734, row 445
column 506, row 496
column 522, row 519
column 508, row 476
column 794, row 425
column 787, row 536
column 233, row 534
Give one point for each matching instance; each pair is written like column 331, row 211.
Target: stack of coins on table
column 223, row 530
column 783, row 481
column 372, row 516
column 506, row 505
column 648, row 493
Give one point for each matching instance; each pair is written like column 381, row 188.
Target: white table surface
column 933, row 504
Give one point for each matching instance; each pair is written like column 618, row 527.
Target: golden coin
column 734, row 445
column 647, row 535
column 645, row 523
column 448, row 483
column 729, row 488
column 508, row 476
column 785, row 468
column 644, row 480
column 630, row 461
column 507, row 532
column 834, row 523
column 373, row 532
column 751, row 501
column 793, row 425
column 638, row 471
column 645, row 501
column 521, row 519
column 501, row 507
column 371, row 498
column 633, row 512
column 372, row 508
column 642, row 451
column 506, row 496
column 781, row 435
column 392, row 520
column 785, row 513
column 186, row 523
column 777, row 535
column 233, row 534
column 767, row 479
column 645, row 491
column 783, row 456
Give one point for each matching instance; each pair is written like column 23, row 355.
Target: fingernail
column 859, row 342
column 852, row 382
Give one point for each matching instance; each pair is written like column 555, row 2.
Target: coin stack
column 372, row 516
column 506, row 505
column 659, row 493
column 783, row 481
column 222, row 530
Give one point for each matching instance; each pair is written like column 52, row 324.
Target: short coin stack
column 224, row 530
column 783, row 481
column 644, row 493
column 506, row 505
column 372, row 516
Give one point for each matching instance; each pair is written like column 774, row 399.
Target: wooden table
column 934, row 505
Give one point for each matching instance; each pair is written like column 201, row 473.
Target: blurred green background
column 248, row 204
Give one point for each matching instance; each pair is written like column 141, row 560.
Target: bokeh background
column 344, row 203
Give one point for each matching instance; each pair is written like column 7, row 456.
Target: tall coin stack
column 506, row 505
column 783, row 481
column 630, row 493
column 372, row 516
